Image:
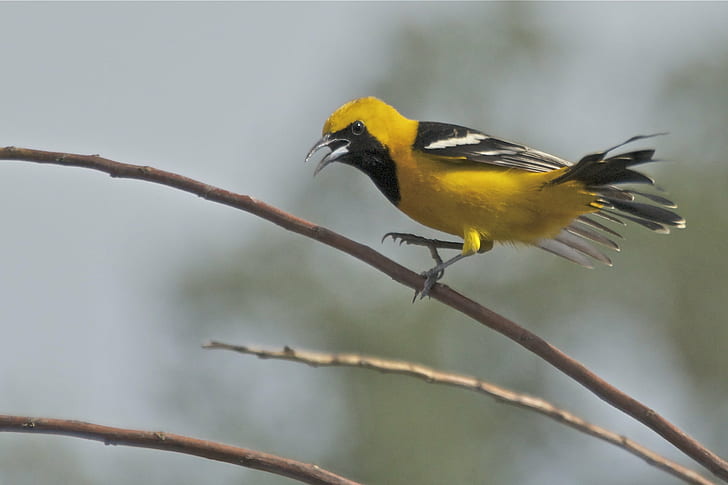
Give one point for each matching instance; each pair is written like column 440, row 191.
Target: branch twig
column 304, row 472
column 430, row 375
column 399, row 273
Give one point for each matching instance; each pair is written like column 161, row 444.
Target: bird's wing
column 457, row 144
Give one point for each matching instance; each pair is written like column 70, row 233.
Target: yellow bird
column 485, row 190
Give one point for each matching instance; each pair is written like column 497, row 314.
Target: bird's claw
column 402, row 237
column 411, row 239
column 432, row 276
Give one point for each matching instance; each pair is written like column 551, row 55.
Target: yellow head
column 380, row 119
column 364, row 133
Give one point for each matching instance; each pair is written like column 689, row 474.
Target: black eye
column 357, row 127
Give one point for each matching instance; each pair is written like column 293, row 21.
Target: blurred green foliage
column 393, row 430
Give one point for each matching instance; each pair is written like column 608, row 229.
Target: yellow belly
column 483, row 203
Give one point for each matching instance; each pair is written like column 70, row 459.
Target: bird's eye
column 357, row 127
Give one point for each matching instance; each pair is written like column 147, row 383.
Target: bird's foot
column 432, row 276
column 415, row 240
column 432, row 244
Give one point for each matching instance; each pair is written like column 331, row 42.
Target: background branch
column 428, row 374
column 513, row 331
column 304, row 472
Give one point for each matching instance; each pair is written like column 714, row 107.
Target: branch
column 303, row 472
column 430, row 375
column 399, row 273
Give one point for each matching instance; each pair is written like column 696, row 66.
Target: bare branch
column 303, row 472
column 430, row 375
column 577, row 371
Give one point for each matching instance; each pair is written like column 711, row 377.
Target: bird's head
column 361, row 133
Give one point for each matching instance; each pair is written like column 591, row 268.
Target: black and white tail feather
column 603, row 176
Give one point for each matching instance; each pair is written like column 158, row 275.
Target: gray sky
column 232, row 94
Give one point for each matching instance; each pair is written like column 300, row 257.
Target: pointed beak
column 338, row 146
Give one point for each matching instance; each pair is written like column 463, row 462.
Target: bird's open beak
column 338, row 146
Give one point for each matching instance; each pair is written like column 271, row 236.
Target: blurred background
column 108, row 287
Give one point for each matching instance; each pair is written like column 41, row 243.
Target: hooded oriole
column 484, row 189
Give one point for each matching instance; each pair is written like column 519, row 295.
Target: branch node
column 649, row 413
column 206, row 191
column 317, row 232
column 525, row 338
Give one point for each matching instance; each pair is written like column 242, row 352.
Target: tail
column 603, row 176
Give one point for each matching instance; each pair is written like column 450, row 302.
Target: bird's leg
column 432, row 244
column 434, row 274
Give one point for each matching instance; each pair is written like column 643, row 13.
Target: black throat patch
column 371, row 157
column 381, row 169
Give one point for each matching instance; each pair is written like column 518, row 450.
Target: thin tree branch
column 577, row 371
column 430, row 375
column 303, row 472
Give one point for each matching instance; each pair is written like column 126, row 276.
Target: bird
column 487, row 190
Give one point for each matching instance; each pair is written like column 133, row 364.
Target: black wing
column 459, row 144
